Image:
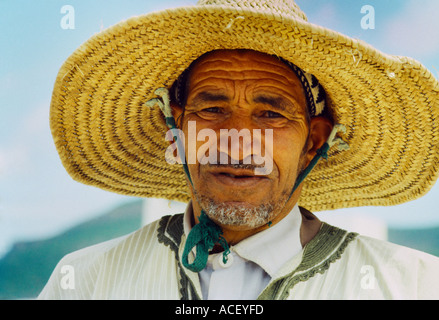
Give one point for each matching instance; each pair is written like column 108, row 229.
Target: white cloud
column 415, row 31
column 325, row 15
column 37, row 121
column 13, row 160
column 26, row 140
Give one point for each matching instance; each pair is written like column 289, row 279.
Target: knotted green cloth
column 203, row 237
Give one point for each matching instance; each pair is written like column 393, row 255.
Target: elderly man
column 255, row 67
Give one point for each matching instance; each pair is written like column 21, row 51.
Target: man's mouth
column 237, row 177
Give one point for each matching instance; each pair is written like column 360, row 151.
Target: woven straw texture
column 108, row 138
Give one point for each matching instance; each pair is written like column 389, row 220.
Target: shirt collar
column 270, row 248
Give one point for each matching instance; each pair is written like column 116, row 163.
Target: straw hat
column 108, row 138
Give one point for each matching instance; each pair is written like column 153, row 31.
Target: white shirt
column 335, row 264
column 252, row 263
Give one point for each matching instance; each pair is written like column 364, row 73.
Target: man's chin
column 237, row 214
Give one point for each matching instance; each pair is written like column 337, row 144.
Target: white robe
column 335, row 264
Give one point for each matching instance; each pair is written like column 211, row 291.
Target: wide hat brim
column 106, row 136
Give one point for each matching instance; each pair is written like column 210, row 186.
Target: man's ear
column 177, row 112
column 319, row 131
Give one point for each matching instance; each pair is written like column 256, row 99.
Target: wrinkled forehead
column 237, row 62
column 224, row 70
column 242, row 60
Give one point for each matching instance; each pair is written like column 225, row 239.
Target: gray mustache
column 234, row 166
column 252, row 162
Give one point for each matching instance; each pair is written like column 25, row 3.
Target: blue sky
column 39, row 199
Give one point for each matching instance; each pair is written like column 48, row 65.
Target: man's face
column 239, row 90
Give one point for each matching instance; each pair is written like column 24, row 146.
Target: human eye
column 210, row 113
column 272, row 114
column 212, row 110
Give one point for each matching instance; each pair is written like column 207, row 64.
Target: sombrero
column 108, row 138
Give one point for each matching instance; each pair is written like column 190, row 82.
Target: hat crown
column 282, row 7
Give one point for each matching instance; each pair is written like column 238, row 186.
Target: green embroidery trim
column 326, row 248
column 169, row 233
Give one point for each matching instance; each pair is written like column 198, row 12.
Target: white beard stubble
column 240, row 215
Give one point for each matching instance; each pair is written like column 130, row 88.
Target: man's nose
column 236, row 139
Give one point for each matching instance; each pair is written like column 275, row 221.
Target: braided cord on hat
column 165, row 106
column 314, row 91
